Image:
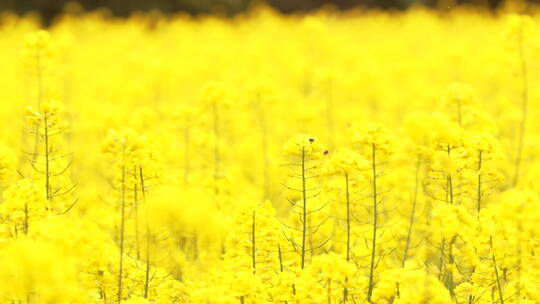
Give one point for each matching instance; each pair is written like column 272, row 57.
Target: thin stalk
column 304, row 209
column 122, row 225
column 519, row 261
column 348, row 250
column 39, row 98
column 47, row 163
column 347, row 195
column 147, row 268
column 104, row 295
column 253, row 248
column 136, row 214
column 450, row 188
column 102, row 291
column 148, row 238
column 329, row 291
column 280, row 258
column 441, row 260
column 449, row 274
column 497, row 277
column 413, row 213
column 479, row 189
column 26, row 220
column 375, row 223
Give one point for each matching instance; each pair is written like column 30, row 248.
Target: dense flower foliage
column 354, row 157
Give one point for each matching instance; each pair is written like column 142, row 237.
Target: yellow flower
column 304, row 145
column 38, row 40
column 346, row 161
column 373, row 135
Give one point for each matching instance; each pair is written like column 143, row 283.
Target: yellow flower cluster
column 304, row 145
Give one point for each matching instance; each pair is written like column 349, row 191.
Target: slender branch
column 348, row 250
column 450, row 187
column 39, row 98
column 136, row 215
column 497, row 277
column 47, row 164
column 479, row 189
column 148, row 237
column 253, row 248
column 304, row 209
column 122, row 224
column 413, row 213
column 375, row 219
column 26, row 220
column 280, row 258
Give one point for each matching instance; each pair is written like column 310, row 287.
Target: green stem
column 47, row 164
column 253, row 248
column 450, row 188
column 479, row 189
column 375, row 223
column 26, row 220
column 413, row 214
column 136, row 214
column 280, row 258
column 497, row 277
column 148, row 238
column 122, row 224
column 304, row 209
column 329, row 291
column 39, row 98
column 348, row 250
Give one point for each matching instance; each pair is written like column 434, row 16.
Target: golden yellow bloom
column 304, row 145
column 346, row 161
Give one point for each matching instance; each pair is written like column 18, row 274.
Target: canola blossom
column 330, row 157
